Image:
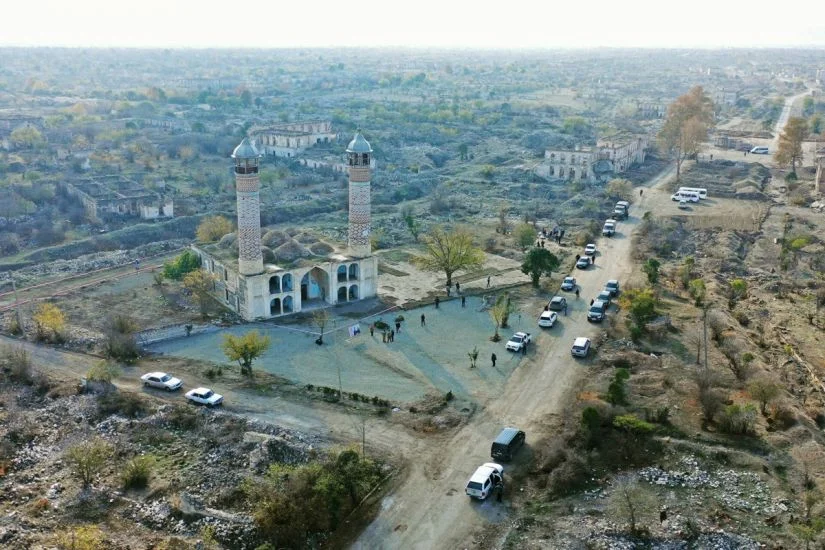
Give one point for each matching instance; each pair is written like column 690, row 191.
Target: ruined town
column 374, row 297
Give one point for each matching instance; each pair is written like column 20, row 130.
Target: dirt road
column 783, row 119
column 430, row 509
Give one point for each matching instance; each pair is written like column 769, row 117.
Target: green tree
column 500, row 313
column 686, row 271
column 88, row 458
column 764, row 390
column 816, row 124
column 525, row 235
column 103, row 371
column 686, row 127
column 738, row 290
column 27, row 136
column 462, row 151
column 201, row 284
column 617, row 390
column 641, row 305
column 651, row 269
column 186, row 262
column 697, row 291
column 408, row 215
column 789, row 149
column 449, row 252
column 245, row 349
column 538, row 262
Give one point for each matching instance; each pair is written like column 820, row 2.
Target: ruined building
column 121, row 196
column 292, row 138
column 611, row 157
column 282, row 272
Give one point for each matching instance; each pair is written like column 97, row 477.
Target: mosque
column 279, row 273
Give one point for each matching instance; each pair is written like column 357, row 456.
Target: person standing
column 448, row 291
column 524, row 348
column 437, row 301
column 384, row 336
column 463, row 301
column 392, row 336
column 493, row 359
column 488, row 281
column 423, row 320
column 565, row 310
column 457, row 287
column 372, row 329
column 577, row 293
column 398, row 326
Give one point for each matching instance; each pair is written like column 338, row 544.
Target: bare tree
column 686, row 127
column 320, row 319
column 630, row 502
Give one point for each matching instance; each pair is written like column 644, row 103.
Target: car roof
column 506, row 435
column 591, row 244
column 580, row 341
column 549, row 314
column 157, row 373
column 613, row 282
column 199, row 390
column 520, row 333
column 483, row 472
column 599, row 303
column 569, row 278
column 557, row 298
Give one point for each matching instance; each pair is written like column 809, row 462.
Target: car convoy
column 165, row 381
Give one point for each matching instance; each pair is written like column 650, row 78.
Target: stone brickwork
column 250, row 259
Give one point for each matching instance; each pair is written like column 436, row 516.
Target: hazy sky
column 416, row 23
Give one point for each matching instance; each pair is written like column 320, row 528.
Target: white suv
column 581, row 347
column 484, row 479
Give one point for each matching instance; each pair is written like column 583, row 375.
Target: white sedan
column 161, row 380
column 204, row 396
column 590, row 249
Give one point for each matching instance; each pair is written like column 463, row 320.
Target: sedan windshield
column 208, row 394
column 166, row 378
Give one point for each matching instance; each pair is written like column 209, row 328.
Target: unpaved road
column 430, row 510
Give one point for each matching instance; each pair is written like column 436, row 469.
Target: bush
column 569, row 476
column 85, row 537
column 103, row 371
column 185, row 263
column 617, row 391
column 129, row 405
column 711, row 402
column 738, row 419
column 783, row 416
column 137, row 472
column 183, row 418
column 87, row 459
column 17, row 363
column 121, row 344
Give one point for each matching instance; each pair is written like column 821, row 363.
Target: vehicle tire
column 146, row 384
column 168, row 388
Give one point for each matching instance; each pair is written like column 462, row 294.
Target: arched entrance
column 275, row 307
column 286, row 282
column 274, row 284
column 342, row 294
column 314, row 286
column 353, row 272
column 288, row 304
column 342, row 273
column 353, row 292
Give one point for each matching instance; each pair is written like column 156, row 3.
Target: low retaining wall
column 154, row 335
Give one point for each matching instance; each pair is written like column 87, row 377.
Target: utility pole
column 17, row 305
column 705, row 331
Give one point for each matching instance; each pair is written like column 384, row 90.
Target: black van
column 507, row 443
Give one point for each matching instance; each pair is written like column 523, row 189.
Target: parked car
column 584, row 262
column 204, row 396
column 557, row 303
column 683, row 204
column 484, row 479
column 518, row 341
column 161, row 380
column 619, row 213
column 609, row 228
column 597, row 312
column 759, row 150
column 506, row 444
column 590, row 250
column 568, row 284
column 581, row 347
column 612, row 286
column 547, row 319
column 604, row 296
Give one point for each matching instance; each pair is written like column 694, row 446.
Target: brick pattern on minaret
column 250, row 259
column 247, row 188
column 359, row 156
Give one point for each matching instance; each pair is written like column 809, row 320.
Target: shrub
column 17, row 362
column 137, row 472
column 85, row 537
column 183, row 418
column 660, row 416
column 617, row 391
column 738, row 419
column 783, row 416
column 569, row 476
column 186, row 262
column 103, row 371
column 126, row 404
column 742, row 318
column 120, row 339
column 88, row 458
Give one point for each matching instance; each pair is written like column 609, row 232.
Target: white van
column 690, row 196
column 703, row 193
column 759, row 150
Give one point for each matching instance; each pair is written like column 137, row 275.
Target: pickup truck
column 518, row 341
